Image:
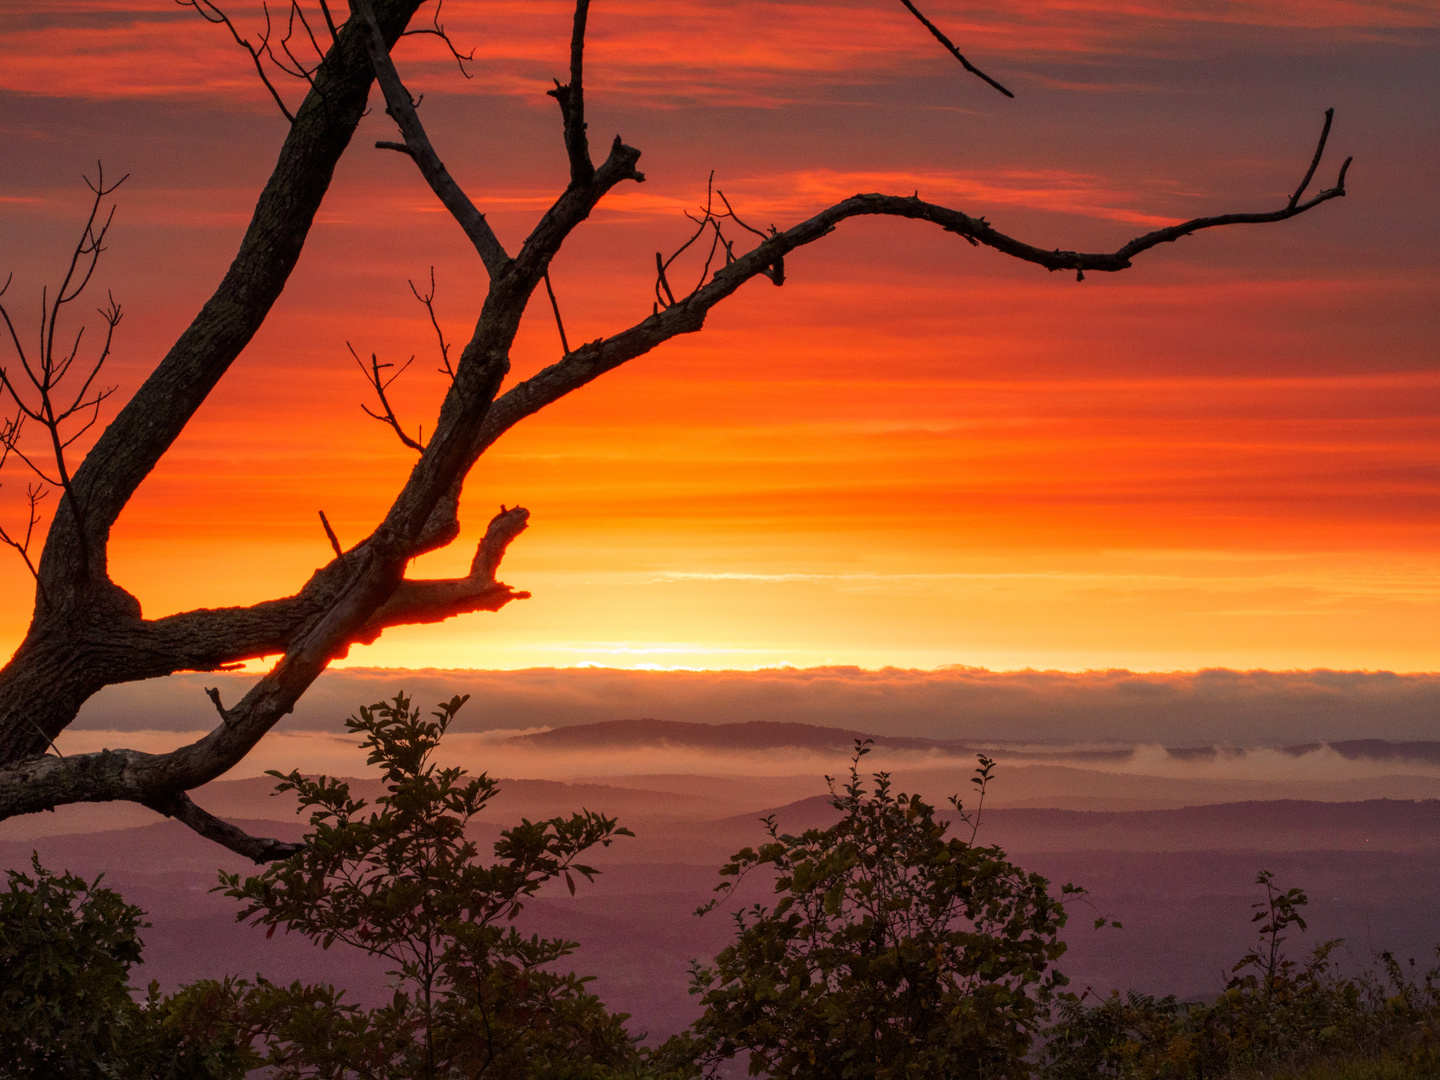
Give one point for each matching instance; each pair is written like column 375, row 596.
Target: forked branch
column 429, row 301
column 379, row 382
column 40, row 391
column 161, row 781
column 687, row 315
column 437, row 29
column 710, row 221
column 213, row 14
column 95, row 636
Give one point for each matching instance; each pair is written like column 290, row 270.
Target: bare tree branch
column 687, row 315
column 48, row 372
column 160, row 780
column 401, row 108
column 559, row 322
column 378, row 383
column 950, row 45
column 46, row 681
column 429, row 301
column 212, row 14
column 435, row 29
column 89, row 633
column 257, row 849
column 330, row 535
column 571, row 97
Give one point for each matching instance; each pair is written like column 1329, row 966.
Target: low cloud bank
column 1202, row 708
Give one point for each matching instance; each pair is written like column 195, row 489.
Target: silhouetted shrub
column 891, row 952
column 67, row 1011
column 1275, row 1013
column 473, row 996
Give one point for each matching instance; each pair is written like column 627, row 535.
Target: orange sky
column 915, row 453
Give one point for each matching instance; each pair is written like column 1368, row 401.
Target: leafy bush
column 892, row 951
column 473, row 996
column 66, row 1009
column 1276, row 1013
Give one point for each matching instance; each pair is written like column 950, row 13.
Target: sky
column 915, row 453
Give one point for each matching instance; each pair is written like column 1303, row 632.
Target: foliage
column 892, row 951
column 66, row 1010
column 1276, row 1013
column 473, row 996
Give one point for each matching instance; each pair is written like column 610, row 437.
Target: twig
column 555, row 307
column 712, row 221
column 436, row 30
column 940, row 37
column 329, row 20
column 1315, row 161
column 50, row 367
column 329, row 532
column 380, row 384
column 41, row 732
column 429, row 301
column 212, row 14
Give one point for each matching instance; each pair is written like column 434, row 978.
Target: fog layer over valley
column 1196, row 708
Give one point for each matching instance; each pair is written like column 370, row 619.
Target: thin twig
column 329, row 20
column 555, row 307
column 940, row 37
column 429, row 301
column 50, row 367
column 378, row 382
column 1315, row 161
column 41, row 732
column 437, row 30
column 212, row 14
column 329, row 532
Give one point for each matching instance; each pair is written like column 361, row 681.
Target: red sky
column 915, row 453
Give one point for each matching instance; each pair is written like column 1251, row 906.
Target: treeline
column 889, row 946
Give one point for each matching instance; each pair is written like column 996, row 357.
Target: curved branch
column 122, row 776
column 687, row 315
column 257, row 849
